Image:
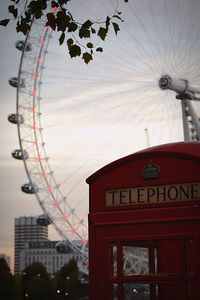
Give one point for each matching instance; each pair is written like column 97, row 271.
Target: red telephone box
column 144, row 226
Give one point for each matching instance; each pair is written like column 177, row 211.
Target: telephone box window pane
column 135, row 261
column 136, row 291
column 113, row 291
column 113, row 259
column 156, row 260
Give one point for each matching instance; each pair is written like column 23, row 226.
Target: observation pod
column 13, row 81
column 16, row 119
column 63, row 247
column 43, row 220
column 28, row 188
column 20, row 154
column 20, row 46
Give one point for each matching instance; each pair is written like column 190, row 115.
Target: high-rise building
column 27, row 230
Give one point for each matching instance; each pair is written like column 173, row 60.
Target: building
column 27, row 230
column 45, row 253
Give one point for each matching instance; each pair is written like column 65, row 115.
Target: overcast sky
column 97, row 113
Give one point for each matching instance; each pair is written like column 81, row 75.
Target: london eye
column 141, row 91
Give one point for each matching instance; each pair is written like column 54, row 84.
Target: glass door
column 161, row 269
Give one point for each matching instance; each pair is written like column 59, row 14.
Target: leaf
column 102, row 33
column 99, row 49
column 13, row 11
column 118, row 17
column 4, row 22
column 62, row 38
column 84, row 32
column 87, row 24
column 89, row 45
column 107, row 22
column 72, row 27
column 28, row 16
column 87, row 57
column 61, row 2
column 51, row 20
column 116, row 27
column 43, row 4
column 54, row 4
column 69, row 43
column 75, row 51
column 93, row 30
column 22, row 27
column 11, row 8
column 36, row 8
column 71, row 17
column 16, row 1
column 62, row 20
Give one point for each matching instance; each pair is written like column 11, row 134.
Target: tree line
column 34, row 283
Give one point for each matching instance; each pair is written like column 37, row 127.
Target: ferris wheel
column 136, row 93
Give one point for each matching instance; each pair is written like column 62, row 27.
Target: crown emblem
column 151, row 171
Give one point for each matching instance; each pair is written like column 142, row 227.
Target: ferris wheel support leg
column 185, row 122
column 194, row 117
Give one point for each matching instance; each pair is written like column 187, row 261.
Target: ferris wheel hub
column 185, row 92
column 180, row 86
column 165, row 82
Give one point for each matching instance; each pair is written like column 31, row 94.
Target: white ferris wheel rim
column 51, row 185
column 147, row 58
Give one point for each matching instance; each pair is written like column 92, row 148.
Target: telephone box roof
column 189, row 150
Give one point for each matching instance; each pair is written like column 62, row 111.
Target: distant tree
column 38, row 289
column 18, row 287
column 67, row 282
column 62, row 20
column 7, row 289
column 36, row 284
